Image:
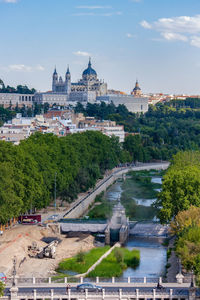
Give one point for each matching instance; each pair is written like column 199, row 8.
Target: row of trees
column 160, row 133
column 186, row 226
column 27, row 171
column 181, row 185
column 179, row 201
column 20, row 89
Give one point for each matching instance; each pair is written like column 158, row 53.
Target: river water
column 153, row 256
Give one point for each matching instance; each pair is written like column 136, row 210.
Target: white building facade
column 133, row 104
column 14, row 99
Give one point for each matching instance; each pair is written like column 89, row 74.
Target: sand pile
column 15, row 242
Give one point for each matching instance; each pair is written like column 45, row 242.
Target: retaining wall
column 82, row 206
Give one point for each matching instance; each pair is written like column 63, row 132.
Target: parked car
column 3, row 277
column 89, row 286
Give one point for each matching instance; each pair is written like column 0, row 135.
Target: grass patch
column 111, row 267
column 101, row 211
column 74, row 264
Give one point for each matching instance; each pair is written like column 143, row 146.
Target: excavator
column 49, row 251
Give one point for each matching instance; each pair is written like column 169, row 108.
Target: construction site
column 38, row 249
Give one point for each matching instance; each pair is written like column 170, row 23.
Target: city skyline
column 156, row 41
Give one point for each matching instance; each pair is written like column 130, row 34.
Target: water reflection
column 156, row 180
column 114, row 192
column 152, row 253
column 153, row 257
column 144, row 202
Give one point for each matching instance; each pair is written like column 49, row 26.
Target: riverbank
column 103, row 262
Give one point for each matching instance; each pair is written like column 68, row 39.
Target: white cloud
column 183, row 28
column 93, row 7
column 170, row 36
column 130, row 35
column 40, row 68
column 22, row 68
column 181, row 24
column 19, row 67
column 145, row 24
column 108, row 14
column 9, row 1
column 195, row 41
column 81, row 53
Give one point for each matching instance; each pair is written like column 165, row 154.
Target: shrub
column 80, row 258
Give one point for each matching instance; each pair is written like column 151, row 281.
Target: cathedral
column 136, row 92
column 88, row 83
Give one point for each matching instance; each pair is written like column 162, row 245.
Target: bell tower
column 68, row 81
column 55, row 80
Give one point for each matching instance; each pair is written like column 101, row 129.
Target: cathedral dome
column 89, row 71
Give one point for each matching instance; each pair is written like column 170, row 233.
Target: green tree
column 180, row 190
column 2, row 287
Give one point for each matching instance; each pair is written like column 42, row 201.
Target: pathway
column 98, row 261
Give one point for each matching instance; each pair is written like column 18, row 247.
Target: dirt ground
column 16, row 240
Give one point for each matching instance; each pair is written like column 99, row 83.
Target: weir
column 115, row 230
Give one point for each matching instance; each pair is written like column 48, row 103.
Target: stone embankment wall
column 82, row 206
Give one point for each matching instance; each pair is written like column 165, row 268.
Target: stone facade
column 86, row 89
column 133, row 104
column 14, row 99
column 51, row 98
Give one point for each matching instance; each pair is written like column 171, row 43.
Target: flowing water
column 152, row 252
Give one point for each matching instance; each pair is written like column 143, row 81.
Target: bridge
column 113, row 289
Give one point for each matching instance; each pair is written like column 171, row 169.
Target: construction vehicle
column 48, row 251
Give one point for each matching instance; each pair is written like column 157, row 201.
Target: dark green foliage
column 80, row 258
column 181, row 186
column 5, row 115
column 20, row 89
column 27, row 171
column 119, row 255
column 139, row 185
column 102, row 208
column 161, row 132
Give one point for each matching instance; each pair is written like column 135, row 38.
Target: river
column 153, row 255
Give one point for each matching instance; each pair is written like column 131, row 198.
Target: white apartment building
column 117, row 131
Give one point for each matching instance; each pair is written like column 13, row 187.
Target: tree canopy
column 20, row 89
column 164, row 130
column 27, row 171
column 181, row 185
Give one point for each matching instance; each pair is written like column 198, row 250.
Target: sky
column 154, row 41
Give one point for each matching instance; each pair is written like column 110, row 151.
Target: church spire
column 89, row 64
column 68, row 72
column 55, row 72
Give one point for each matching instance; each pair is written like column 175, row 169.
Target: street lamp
column 14, row 270
column 55, row 192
